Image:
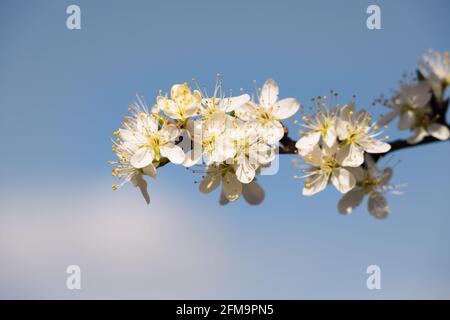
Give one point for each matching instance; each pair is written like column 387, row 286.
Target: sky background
column 63, row 93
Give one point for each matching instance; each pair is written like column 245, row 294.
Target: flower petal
column 232, row 103
column 419, row 135
column 376, row 146
column 231, row 187
column 131, row 136
column 139, row 181
column 223, row 200
column 330, row 137
column 317, row 183
column 350, row 155
column 307, row 142
column 245, row 172
column 142, row 158
column 173, row 152
column 386, row 175
column 350, row 200
column 439, row 131
column 149, row 170
column 269, row 93
column 343, row 180
column 273, row 132
column 407, row 120
column 253, row 193
column 209, row 182
column 285, row 108
column 378, row 206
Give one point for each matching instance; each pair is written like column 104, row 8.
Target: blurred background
column 63, row 92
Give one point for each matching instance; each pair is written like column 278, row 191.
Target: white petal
column 173, row 152
column 253, row 193
column 150, row 170
column 407, row 120
column 169, row 132
column 376, row 146
column 285, row 108
column 314, row 156
column 350, row 155
column 273, row 132
column 307, row 142
column 419, row 135
column 342, row 129
column 142, row 158
column 439, row 131
column 131, row 136
column 192, row 158
column 210, row 182
column 245, row 172
column 378, row 206
column 330, row 137
column 269, row 93
column 247, row 111
column 343, row 180
column 139, row 181
column 232, row 103
column 318, row 183
column 231, row 187
column 350, row 200
column 168, row 106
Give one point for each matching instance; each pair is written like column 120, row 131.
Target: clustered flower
column 335, row 142
column 232, row 137
column 419, row 105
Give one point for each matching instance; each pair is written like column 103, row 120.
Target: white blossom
column 324, row 168
column 183, row 103
column 435, row 67
column 373, row 183
column 269, row 111
column 357, row 136
column 408, row 105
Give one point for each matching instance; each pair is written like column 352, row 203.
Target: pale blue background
column 62, row 93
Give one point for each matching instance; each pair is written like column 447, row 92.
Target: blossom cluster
column 418, row 104
column 233, row 137
column 335, row 146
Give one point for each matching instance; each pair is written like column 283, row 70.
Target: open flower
column 151, row 142
column 183, row 103
column 269, row 111
column 324, row 168
column 371, row 182
column 221, row 103
column 217, row 174
column 251, row 150
column 321, row 126
column 408, row 104
column 357, row 136
column 216, row 141
column 435, row 66
column 126, row 172
column 232, row 188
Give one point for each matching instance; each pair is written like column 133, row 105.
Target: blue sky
column 62, row 94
